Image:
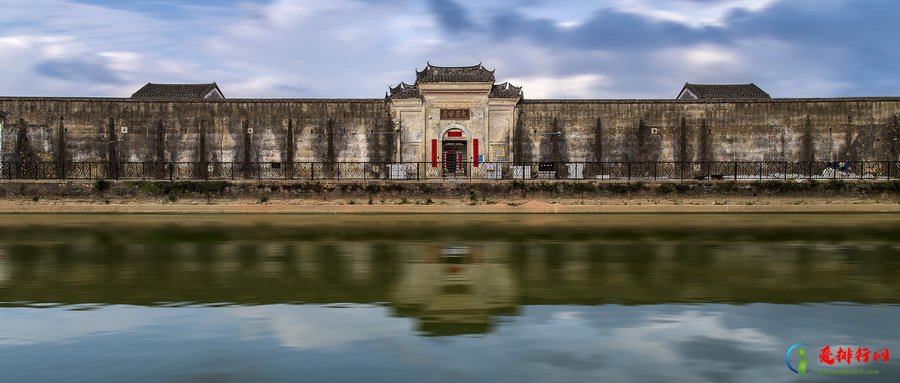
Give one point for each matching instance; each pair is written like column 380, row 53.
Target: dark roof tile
column 724, row 91
column 475, row 73
column 506, row 90
column 179, row 91
column 404, row 90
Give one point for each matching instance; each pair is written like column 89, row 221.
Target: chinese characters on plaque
column 455, row 114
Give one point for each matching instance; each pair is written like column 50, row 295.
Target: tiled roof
column 179, row 91
column 506, row 90
column 404, row 90
column 722, row 91
column 476, row 73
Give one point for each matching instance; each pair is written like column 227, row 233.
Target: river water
column 445, row 298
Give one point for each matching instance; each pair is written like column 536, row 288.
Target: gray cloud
column 452, row 16
column 616, row 30
column 847, row 45
column 78, row 70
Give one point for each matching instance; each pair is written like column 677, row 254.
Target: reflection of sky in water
column 669, row 342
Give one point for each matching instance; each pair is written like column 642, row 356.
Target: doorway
column 454, row 151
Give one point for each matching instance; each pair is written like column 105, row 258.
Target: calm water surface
column 393, row 298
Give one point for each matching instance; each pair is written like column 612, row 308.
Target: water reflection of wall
column 4, row 268
column 415, row 278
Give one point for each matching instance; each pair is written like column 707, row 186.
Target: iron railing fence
column 735, row 170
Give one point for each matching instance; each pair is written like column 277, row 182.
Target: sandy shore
column 349, row 206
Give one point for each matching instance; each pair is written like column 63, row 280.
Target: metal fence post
column 735, row 170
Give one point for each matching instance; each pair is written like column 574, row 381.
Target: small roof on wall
column 506, row 90
column 721, row 91
column 404, row 90
column 180, row 91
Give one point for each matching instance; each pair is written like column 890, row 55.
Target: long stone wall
column 656, row 130
column 192, row 131
column 97, row 129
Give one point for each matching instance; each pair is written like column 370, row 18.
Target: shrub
column 180, row 187
column 581, row 187
column 518, row 185
column 625, row 187
column 727, row 186
column 666, row 188
column 101, row 185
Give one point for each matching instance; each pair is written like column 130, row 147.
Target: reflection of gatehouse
column 455, row 290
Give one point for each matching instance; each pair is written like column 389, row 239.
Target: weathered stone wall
column 190, row 131
column 651, row 130
column 91, row 129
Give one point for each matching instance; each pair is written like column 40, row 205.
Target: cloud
column 310, row 327
column 451, row 15
column 90, row 69
column 24, row 326
column 577, row 86
column 356, row 48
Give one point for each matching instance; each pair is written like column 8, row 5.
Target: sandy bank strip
column 527, row 208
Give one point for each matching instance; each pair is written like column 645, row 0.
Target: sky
column 358, row 48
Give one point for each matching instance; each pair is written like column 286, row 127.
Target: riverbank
column 531, row 207
column 102, row 196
